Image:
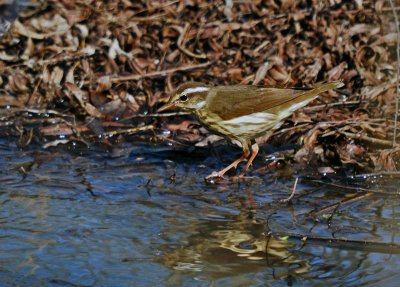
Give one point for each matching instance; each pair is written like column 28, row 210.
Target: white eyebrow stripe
column 195, row 90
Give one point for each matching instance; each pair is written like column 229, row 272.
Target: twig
column 353, row 188
column 292, row 193
column 181, row 46
column 33, row 94
column 14, row 110
column 54, row 61
column 396, row 20
column 158, row 73
column 125, row 131
column 342, row 203
column 380, row 174
column 296, row 127
column 65, row 129
column 372, row 246
column 328, row 124
column 391, row 9
column 368, row 139
column 330, row 105
column 153, row 18
column 157, row 115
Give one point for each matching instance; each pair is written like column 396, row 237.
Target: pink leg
column 254, row 152
column 246, row 153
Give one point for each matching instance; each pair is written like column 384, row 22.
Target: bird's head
column 191, row 96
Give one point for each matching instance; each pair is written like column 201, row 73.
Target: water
column 98, row 218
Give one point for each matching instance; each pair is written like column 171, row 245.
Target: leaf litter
column 88, row 70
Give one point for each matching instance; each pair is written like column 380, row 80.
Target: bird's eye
column 183, row 98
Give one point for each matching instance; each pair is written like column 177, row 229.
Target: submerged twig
column 342, row 203
column 371, row 246
column 352, row 188
column 292, row 193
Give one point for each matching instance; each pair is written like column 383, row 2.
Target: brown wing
column 235, row 101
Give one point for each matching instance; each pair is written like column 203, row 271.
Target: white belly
column 254, row 124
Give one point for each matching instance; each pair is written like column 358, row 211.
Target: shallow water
column 92, row 218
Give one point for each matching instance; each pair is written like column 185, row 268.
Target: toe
column 215, row 175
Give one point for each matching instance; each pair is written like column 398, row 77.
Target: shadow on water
column 143, row 216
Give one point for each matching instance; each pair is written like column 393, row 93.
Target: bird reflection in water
column 236, row 244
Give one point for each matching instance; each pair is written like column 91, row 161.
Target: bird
column 242, row 112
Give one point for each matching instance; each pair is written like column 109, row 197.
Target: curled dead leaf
column 57, row 26
column 279, row 73
column 83, row 100
column 261, row 73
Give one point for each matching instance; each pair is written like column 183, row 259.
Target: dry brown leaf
column 62, row 28
column 18, row 83
column 82, row 98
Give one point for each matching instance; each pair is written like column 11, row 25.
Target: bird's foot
column 217, row 177
column 215, row 174
column 214, row 177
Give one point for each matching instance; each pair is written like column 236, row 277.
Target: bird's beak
column 166, row 107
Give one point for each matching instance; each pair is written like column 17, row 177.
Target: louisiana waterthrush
column 242, row 112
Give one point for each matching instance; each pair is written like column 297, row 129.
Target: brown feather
column 230, row 102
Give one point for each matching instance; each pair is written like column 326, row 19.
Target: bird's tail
column 328, row 86
column 308, row 95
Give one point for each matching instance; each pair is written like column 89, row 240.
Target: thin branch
column 296, row 127
column 378, row 174
column 396, row 20
column 157, row 115
column 129, row 131
column 369, row 139
column 292, row 193
column 345, row 202
column 163, row 73
column 391, row 9
column 181, row 44
column 331, row 105
column 350, row 188
column 364, row 245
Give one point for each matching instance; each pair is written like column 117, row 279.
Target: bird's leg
column 254, row 152
column 246, row 153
